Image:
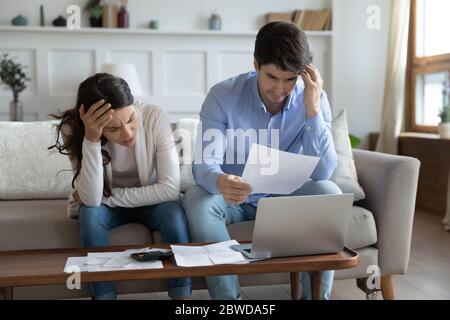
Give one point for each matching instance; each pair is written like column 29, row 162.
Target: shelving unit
column 176, row 67
column 145, row 31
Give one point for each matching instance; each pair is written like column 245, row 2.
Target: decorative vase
column 41, row 16
column 16, row 110
column 60, row 22
column 154, row 24
column 215, row 22
column 444, row 130
column 123, row 18
column 20, row 20
column 96, row 22
column 109, row 16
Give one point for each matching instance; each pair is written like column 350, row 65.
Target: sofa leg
column 7, row 293
column 387, row 287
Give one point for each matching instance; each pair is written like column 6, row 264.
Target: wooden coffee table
column 46, row 267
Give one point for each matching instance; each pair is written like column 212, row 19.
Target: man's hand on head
column 313, row 90
column 234, row 191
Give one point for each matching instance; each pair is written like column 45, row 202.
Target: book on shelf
column 327, row 13
column 313, row 19
column 299, row 15
column 277, row 16
column 328, row 21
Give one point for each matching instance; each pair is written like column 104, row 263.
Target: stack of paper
column 111, row 261
column 217, row 253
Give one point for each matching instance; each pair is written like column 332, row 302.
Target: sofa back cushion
column 184, row 134
column 345, row 175
column 27, row 169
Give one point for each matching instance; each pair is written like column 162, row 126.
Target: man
column 295, row 116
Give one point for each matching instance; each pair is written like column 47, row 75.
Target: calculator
column 151, row 255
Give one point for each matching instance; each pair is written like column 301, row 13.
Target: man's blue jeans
column 167, row 217
column 208, row 215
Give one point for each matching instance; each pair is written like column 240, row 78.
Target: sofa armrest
column 390, row 185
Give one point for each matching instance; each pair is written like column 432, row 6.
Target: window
column 428, row 73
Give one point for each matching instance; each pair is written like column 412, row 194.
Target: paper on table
column 125, row 261
column 110, row 261
column 191, row 256
column 196, row 260
column 74, row 264
column 100, row 258
column 221, row 253
column 273, row 171
column 216, row 253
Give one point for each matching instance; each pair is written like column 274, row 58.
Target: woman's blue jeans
column 167, row 217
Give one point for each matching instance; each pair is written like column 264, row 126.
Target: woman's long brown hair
column 100, row 86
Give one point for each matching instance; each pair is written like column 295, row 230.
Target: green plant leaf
column 12, row 74
column 354, row 141
column 445, row 114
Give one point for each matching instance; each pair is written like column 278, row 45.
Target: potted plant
column 95, row 13
column 444, row 126
column 13, row 76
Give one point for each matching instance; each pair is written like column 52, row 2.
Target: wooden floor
column 428, row 275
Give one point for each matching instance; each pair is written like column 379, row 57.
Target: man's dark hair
column 283, row 44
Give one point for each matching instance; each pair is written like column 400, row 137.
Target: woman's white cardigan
column 157, row 165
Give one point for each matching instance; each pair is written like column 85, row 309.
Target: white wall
column 359, row 64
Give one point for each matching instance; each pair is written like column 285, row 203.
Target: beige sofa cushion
column 28, row 170
column 345, row 175
column 185, row 134
column 42, row 224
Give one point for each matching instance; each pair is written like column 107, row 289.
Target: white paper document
column 111, row 261
column 216, row 253
column 273, row 171
column 74, row 264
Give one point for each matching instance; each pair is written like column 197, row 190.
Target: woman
column 126, row 169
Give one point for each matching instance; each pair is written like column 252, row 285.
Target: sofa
column 34, row 187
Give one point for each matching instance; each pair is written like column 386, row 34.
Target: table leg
column 316, row 279
column 294, row 285
column 7, row 293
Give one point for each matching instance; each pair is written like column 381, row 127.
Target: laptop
column 303, row 225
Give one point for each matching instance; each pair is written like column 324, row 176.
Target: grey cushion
column 361, row 231
column 42, row 224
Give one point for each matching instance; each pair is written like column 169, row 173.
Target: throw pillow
column 27, row 169
column 345, row 175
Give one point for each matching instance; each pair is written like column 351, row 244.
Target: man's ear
column 255, row 64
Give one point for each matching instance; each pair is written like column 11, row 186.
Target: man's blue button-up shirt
column 236, row 104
